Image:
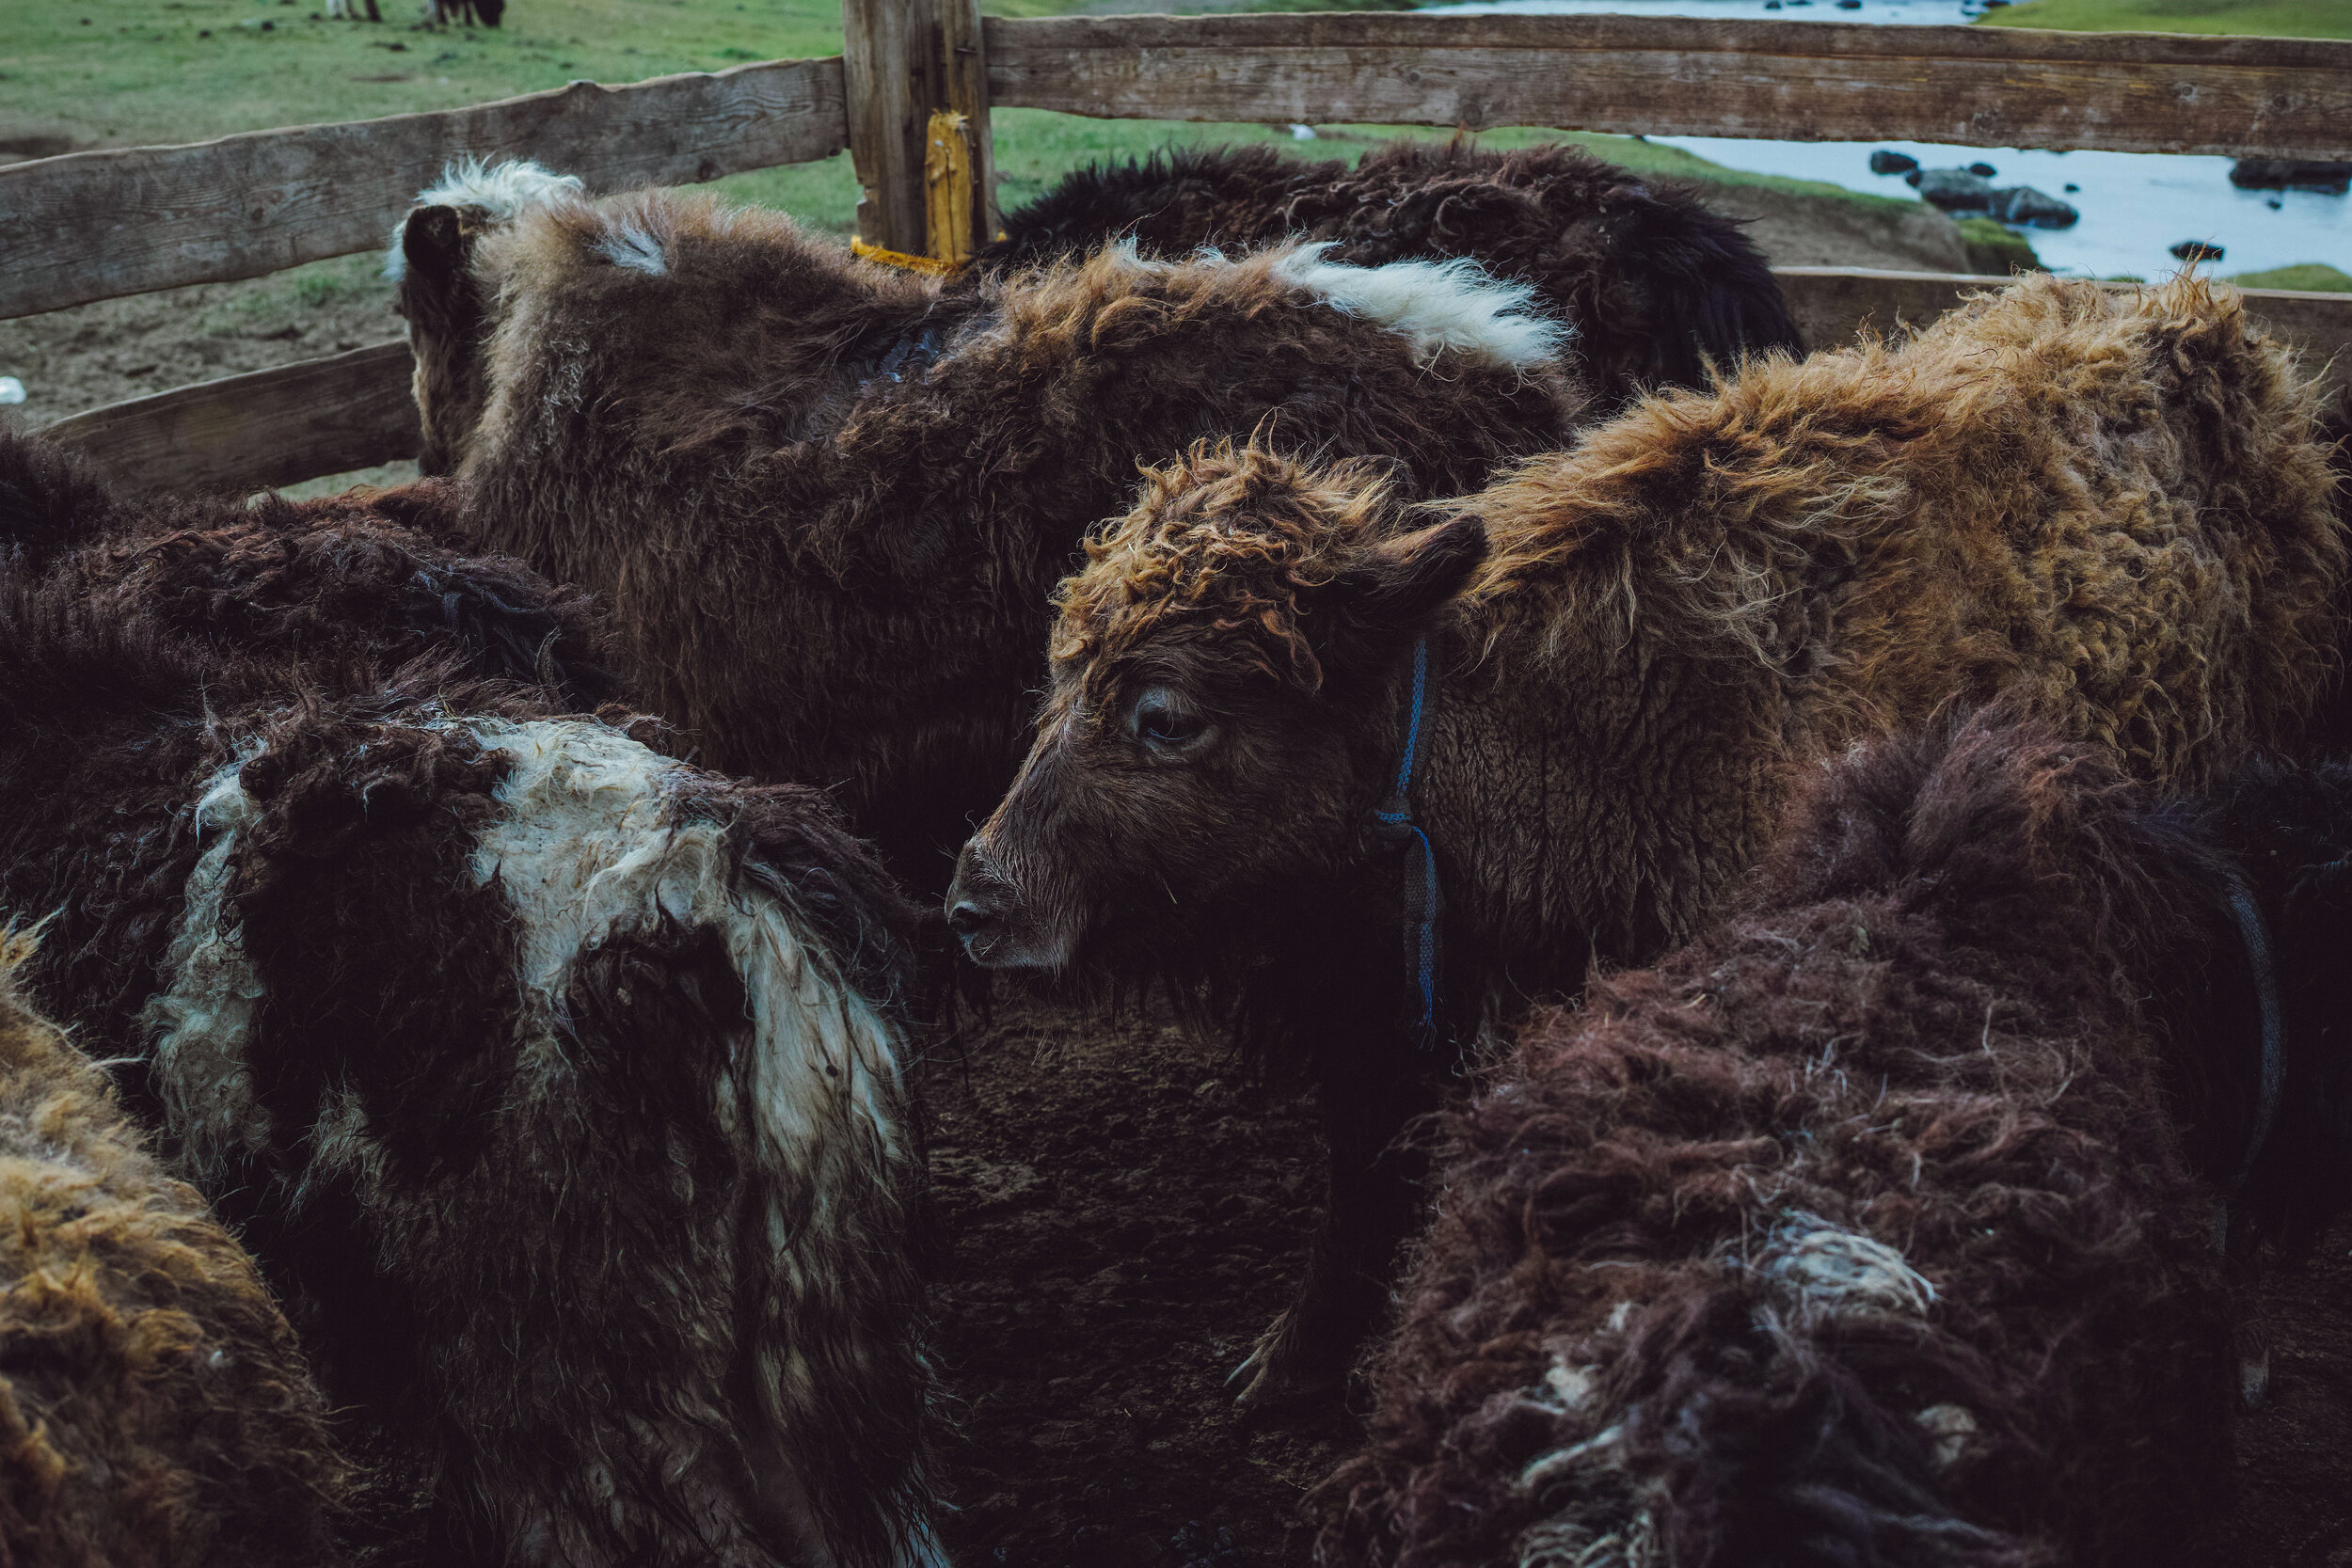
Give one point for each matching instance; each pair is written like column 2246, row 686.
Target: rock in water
column 2291, row 174
column 1884, row 162
column 2026, row 205
column 1955, row 190
column 2197, row 251
column 1984, row 171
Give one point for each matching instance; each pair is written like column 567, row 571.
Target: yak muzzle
column 987, row 914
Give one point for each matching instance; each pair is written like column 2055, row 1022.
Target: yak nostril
column 966, row 918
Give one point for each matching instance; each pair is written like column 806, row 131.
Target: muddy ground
column 1121, row 1212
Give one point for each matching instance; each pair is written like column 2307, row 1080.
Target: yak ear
column 433, row 246
column 1391, row 598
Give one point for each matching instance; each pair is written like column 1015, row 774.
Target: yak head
column 446, row 304
column 1223, row 715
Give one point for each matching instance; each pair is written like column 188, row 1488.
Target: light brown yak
column 2111, row 504
column 155, row 1409
column 828, row 500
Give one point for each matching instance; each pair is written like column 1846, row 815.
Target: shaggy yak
column 153, row 1406
column 2110, row 502
column 828, row 499
column 554, row 1083
column 1657, row 287
column 1869, row 1228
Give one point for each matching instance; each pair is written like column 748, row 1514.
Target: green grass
column 2308, row 19
column 145, row 71
column 2316, row 275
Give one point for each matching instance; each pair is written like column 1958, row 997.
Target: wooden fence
column 911, row 98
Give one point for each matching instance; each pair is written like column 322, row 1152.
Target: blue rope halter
column 1421, row 904
column 2257, row 939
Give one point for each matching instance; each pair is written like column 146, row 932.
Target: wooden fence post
column 915, row 74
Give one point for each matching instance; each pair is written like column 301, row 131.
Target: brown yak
column 826, row 500
column 1657, row 288
column 557, row 1085
column 1878, row 1225
column 2111, row 502
column 155, row 1409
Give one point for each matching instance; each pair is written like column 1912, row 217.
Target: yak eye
column 1159, row 723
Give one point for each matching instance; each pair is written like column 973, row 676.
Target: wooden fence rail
column 96, row 224
column 920, row 74
column 354, row 411
column 1806, row 81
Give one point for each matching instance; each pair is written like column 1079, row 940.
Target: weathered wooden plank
column 353, row 411
column 907, row 63
column 269, row 427
column 889, row 66
column 964, row 60
column 94, row 225
column 1832, row 306
column 2003, row 87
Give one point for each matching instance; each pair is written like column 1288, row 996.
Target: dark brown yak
column 2113, row 504
column 556, row 1083
column 1657, row 287
column 826, row 500
column 155, row 1409
column 1869, row 1227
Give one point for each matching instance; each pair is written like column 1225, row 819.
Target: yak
column 557, row 1085
column 1661, row 292
column 1573, row 705
column 826, row 500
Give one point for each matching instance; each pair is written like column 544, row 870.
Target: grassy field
column 2303, row 19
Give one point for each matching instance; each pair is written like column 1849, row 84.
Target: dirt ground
column 1120, row 1212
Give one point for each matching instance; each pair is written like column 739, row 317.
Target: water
column 2135, row 206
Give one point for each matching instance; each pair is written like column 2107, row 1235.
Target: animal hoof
column 1279, row 1374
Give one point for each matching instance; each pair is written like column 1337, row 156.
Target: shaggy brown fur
column 555, row 1083
column 2111, row 505
column 1657, row 287
column 153, row 1406
column 826, row 500
column 1856, row 1232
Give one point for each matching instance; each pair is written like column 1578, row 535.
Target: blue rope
column 1422, row 902
column 2273, row 1081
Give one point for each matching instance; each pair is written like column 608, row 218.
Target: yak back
column 1857, row 1230
column 1658, row 288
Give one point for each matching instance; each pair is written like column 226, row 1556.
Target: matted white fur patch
column 1829, row 1266
column 1438, row 306
column 504, row 190
column 200, row 1022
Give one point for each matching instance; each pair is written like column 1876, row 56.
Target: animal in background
column 1658, row 290
column 827, row 500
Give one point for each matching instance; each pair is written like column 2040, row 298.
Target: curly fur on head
column 1856, row 1232
column 154, row 1408
column 1224, row 542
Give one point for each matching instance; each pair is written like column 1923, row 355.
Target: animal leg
column 1374, row 1200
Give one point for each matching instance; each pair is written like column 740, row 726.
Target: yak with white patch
column 1658, row 289
column 1573, row 705
column 155, row 1411
column 1881, row 1224
column 556, row 1083
column 826, row 500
